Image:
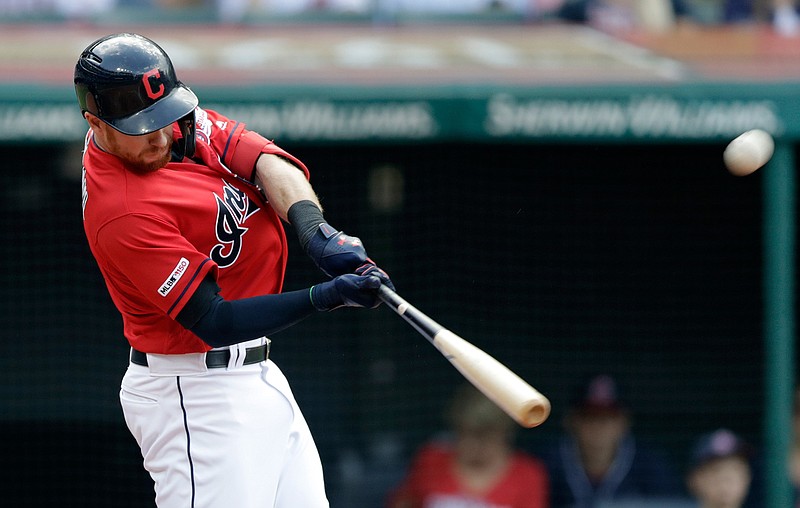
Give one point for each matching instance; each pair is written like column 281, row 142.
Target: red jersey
column 156, row 235
column 432, row 483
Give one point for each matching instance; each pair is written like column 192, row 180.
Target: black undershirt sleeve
column 219, row 322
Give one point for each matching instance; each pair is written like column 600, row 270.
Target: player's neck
column 98, row 143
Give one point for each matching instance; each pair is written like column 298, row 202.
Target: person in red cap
column 598, row 460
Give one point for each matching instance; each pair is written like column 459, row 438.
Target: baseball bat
column 511, row 393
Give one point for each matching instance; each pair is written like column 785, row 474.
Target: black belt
column 216, row 359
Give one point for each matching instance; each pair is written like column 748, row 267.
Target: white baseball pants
column 217, row 438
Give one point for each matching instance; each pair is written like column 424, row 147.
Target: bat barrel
column 535, row 413
column 506, row 389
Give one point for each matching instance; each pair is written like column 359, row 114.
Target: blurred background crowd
column 605, row 14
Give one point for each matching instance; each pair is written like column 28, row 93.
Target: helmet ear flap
column 185, row 146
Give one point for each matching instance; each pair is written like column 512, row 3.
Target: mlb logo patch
column 174, row 277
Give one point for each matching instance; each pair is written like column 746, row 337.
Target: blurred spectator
column 175, row 4
column 66, row 8
column 785, row 19
column 526, row 7
column 236, row 10
column 477, row 467
column 598, row 460
column 720, row 473
column 783, row 13
column 624, row 15
column 76, row 9
column 83, row 8
column 737, row 11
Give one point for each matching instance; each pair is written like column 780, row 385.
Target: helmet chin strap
column 185, row 146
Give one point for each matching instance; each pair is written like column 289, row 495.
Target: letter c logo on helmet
column 129, row 82
column 148, row 85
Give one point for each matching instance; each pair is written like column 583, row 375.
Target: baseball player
column 183, row 210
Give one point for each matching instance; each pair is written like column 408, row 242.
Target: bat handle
column 413, row 316
column 390, row 298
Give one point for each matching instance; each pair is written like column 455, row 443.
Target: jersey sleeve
column 238, row 147
column 151, row 262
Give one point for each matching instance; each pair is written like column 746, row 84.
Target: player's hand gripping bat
column 511, row 393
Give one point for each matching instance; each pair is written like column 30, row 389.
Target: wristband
column 305, row 216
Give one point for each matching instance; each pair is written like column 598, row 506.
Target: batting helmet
column 129, row 82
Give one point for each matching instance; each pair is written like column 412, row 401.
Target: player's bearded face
column 145, row 153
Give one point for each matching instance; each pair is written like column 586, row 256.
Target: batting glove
column 334, row 252
column 347, row 290
column 370, row 268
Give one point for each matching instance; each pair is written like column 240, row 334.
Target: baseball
column 748, row 152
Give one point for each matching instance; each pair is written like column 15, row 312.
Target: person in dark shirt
column 598, row 460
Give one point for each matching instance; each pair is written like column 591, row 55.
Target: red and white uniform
column 209, row 437
column 156, row 235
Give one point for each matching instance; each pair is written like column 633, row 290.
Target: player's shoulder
column 108, row 190
column 210, row 124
